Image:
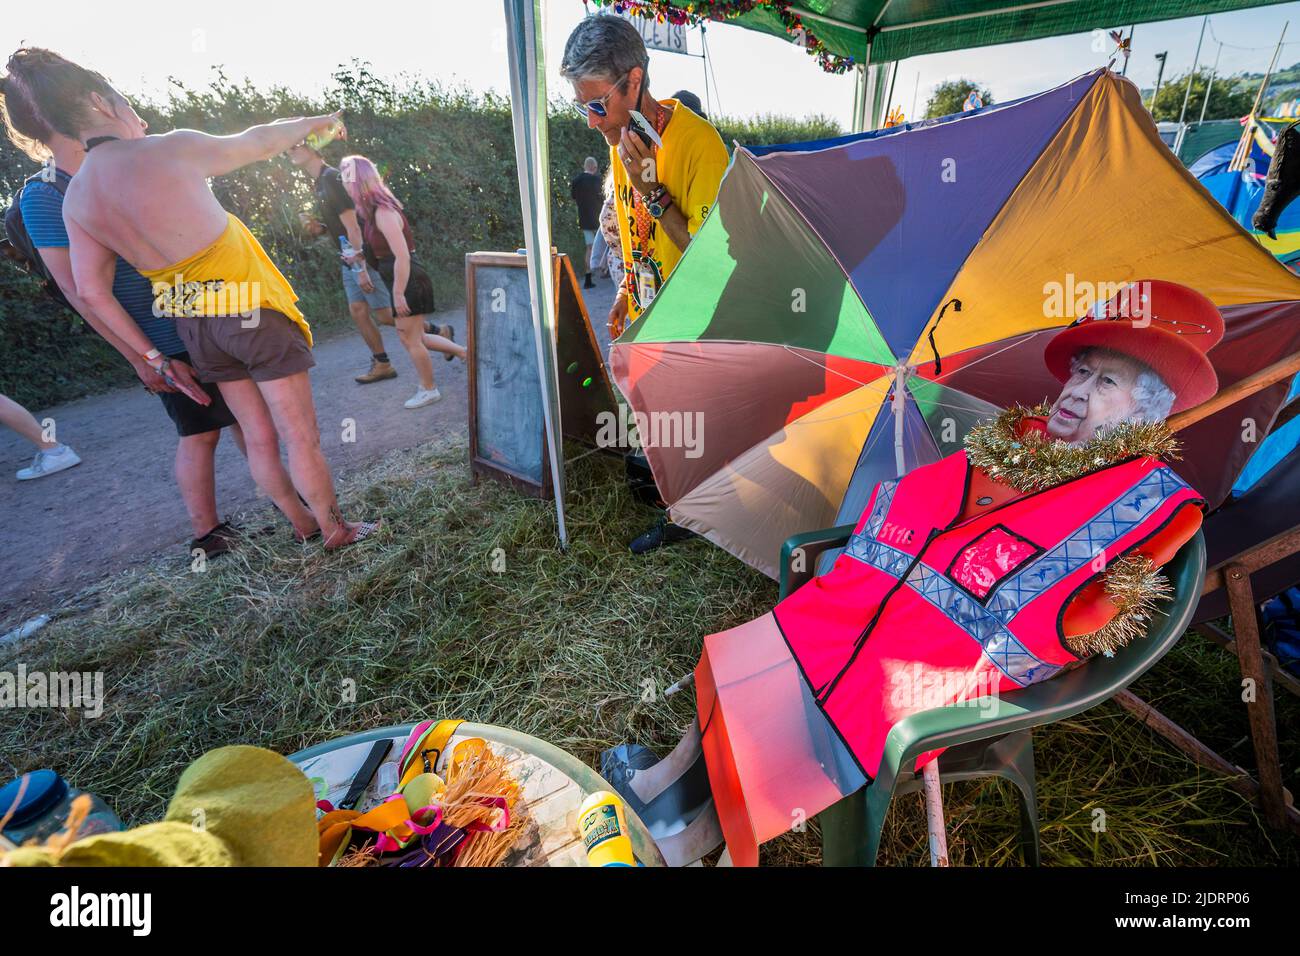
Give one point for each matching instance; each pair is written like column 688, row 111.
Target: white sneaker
column 48, row 462
column 425, row 396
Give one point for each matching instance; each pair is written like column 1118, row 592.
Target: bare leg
column 438, row 343
column 237, row 435
column 290, row 402
column 262, row 446
column 360, row 313
column 196, row 479
column 411, row 329
column 383, row 316
column 24, row 423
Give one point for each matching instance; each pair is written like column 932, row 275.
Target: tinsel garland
column 1134, row 585
column 1036, row 460
column 695, row 12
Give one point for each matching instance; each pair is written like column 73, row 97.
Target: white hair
column 1152, row 398
column 590, row 165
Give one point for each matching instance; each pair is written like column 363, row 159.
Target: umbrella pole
column 896, row 405
column 930, row 772
column 934, row 814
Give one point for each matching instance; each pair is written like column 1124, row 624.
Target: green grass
column 263, row 647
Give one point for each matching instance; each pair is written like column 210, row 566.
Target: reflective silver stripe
column 1113, row 522
column 1000, row 646
column 884, row 498
column 989, row 626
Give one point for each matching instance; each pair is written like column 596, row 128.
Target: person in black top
column 691, row 102
column 363, row 286
column 588, row 193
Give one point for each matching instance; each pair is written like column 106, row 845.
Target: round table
column 554, row 785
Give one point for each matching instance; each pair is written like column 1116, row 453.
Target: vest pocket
column 991, row 558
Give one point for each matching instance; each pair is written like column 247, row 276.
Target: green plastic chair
column 992, row 736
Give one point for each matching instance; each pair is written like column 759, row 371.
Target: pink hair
column 365, row 186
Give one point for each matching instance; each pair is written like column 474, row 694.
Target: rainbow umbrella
column 850, row 307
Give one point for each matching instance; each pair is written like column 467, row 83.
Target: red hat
column 1166, row 326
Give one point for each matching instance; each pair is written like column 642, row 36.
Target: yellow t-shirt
column 233, row 276
column 690, row 164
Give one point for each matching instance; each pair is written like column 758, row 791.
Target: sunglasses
column 598, row 106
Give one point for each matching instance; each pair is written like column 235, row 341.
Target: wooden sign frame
column 480, row 465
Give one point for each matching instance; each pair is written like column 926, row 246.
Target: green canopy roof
column 903, row 28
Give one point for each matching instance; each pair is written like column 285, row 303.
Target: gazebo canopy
column 901, row 28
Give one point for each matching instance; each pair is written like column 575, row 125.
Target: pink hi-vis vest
column 923, row 610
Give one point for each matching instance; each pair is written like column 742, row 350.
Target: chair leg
column 1019, row 770
column 852, row 827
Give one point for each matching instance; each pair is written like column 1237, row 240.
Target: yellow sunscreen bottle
column 602, row 824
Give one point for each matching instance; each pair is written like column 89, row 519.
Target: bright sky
column 463, row 42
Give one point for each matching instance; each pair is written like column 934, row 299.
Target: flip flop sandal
column 366, row 529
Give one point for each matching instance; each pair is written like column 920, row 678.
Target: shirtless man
column 148, row 199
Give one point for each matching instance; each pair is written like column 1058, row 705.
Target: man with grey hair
column 667, row 165
column 586, row 191
column 666, row 172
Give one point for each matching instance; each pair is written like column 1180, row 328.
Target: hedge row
column 447, row 153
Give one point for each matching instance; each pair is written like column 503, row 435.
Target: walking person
column 586, row 191
column 149, row 200
column 389, row 248
column 198, row 427
column 369, row 303
column 51, row 456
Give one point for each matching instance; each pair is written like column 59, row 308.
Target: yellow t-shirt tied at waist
column 233, row 276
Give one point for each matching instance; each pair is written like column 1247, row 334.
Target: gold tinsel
column 1036, row 460
column 1134, row 584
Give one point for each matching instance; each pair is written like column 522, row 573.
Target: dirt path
column 120, row 505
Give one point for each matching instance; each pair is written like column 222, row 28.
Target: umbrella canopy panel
column 826, row 273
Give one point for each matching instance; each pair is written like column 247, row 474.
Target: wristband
column 151, row 356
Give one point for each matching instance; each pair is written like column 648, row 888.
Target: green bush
column 447, row 153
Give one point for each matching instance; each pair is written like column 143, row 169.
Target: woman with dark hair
column 390, row 250
column 148, row 200
column 198, row 427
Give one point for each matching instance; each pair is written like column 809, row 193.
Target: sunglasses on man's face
column 598, row 106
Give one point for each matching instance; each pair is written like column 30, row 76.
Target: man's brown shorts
column 228, row 348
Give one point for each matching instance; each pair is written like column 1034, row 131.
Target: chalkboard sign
column 507, row 432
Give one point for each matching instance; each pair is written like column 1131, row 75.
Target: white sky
column 139, row 44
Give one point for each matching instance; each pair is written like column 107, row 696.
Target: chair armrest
column 800, row 552
column 1060, row 697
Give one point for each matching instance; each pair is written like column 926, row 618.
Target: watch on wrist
column 659, row 205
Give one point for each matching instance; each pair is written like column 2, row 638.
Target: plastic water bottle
column 602, row 826
column 349, row 252
column 44, row 808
